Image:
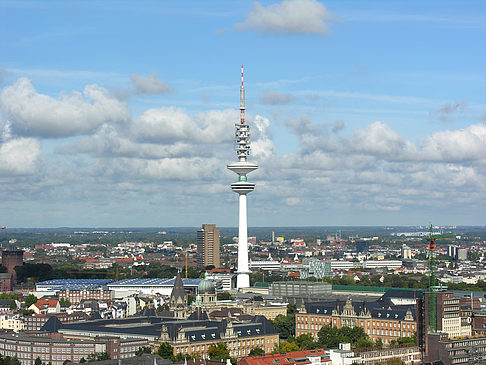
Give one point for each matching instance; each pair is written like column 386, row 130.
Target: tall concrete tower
column 242, row 187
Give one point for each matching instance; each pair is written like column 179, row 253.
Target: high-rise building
column 12, row 258
column 242, row 187
column 208, row 245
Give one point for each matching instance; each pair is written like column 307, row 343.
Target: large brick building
column 386, row 323
column 56, row 349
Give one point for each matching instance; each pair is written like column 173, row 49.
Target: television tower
column 242, row 187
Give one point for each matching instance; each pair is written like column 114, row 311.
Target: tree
column 285, row 325
column 218, row 351
column 306, row 342
column 29, row 300
column 38, row 361
column 39, row 272
column 332, row 336
column 83, row 360
column 257, row 351
column 143, row 350
column 224, row 296
column 258, row 298
column 285, row 346
column 98, row 356
column 165, row 351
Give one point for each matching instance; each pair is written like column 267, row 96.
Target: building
column 384, row 322
column 442, row 313
column 456, row 350
column 191, row 336
column 178, row 299
column 208, row 248
column 409, row 355
column 12, row 258
column 6, row 283
column 222, row 281
column 316, row 268
column 307, row 357
column 56, row 349
column 57, row 285
column 242, row 187
column 76, row 296
column 362, row 246
column 343, row 355
column 461, row 254
column 405, row 252
column 284, row 289
column 11, row 321
column 152, row 286
column 37, row 321
column 45, row 306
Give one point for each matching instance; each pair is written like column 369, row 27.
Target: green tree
column 224, row 296
column 285, row 346
column 306, row 342
column 143, row 350
column 82, row 361
column 218, row 351
column 284, row 325
column 29, row 300
column 98, row 356
column 165, row 351
column 38, row 361
column 257, row 351
column 39, row 272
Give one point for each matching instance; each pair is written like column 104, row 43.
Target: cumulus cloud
column 169, row 124
column 149, row 84
column 447, row 111
column 19, row 156
column 289, row 17
column 35, row 114
column 466, row 144
column 275, row 98
column 380, row 140
column 338, row 126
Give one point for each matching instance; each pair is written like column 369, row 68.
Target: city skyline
column 122, row 114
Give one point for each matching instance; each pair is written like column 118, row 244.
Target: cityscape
column 360, row 136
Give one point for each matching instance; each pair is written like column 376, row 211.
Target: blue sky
column 122, row 113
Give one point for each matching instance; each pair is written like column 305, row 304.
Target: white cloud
column 149, row 84
column 19, row 156
column 34, row 114
column 169, row 124
column 289, row 17
column 2, row 73
column 467, row 144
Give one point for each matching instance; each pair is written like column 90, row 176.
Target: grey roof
column 178, row 289
column 73, row 284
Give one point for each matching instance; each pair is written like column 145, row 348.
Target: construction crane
column 433, row 287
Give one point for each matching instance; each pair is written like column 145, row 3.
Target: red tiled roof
column 284, row 358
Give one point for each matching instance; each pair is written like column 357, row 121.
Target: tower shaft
column 242, row 187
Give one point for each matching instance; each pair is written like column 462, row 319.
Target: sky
column 122, row 113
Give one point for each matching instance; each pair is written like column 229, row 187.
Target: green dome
column 206, row 286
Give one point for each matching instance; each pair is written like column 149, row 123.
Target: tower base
column 242, row 280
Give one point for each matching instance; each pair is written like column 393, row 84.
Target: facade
column 223, row 281
column 242, row 187
column 316, row 268
column 386, row 323
column 409, row 355
column 448, row 317
column 406, row 252
column 456, row 350
column 6, row 283
column 191, row 336
column 11, row 321
column 56, row 349
column 298, row 288
column 11, row 259
column 76, row 296
column 208, row 248
column 37, row 321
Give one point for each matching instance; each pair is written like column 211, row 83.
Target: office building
column 208, row 248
